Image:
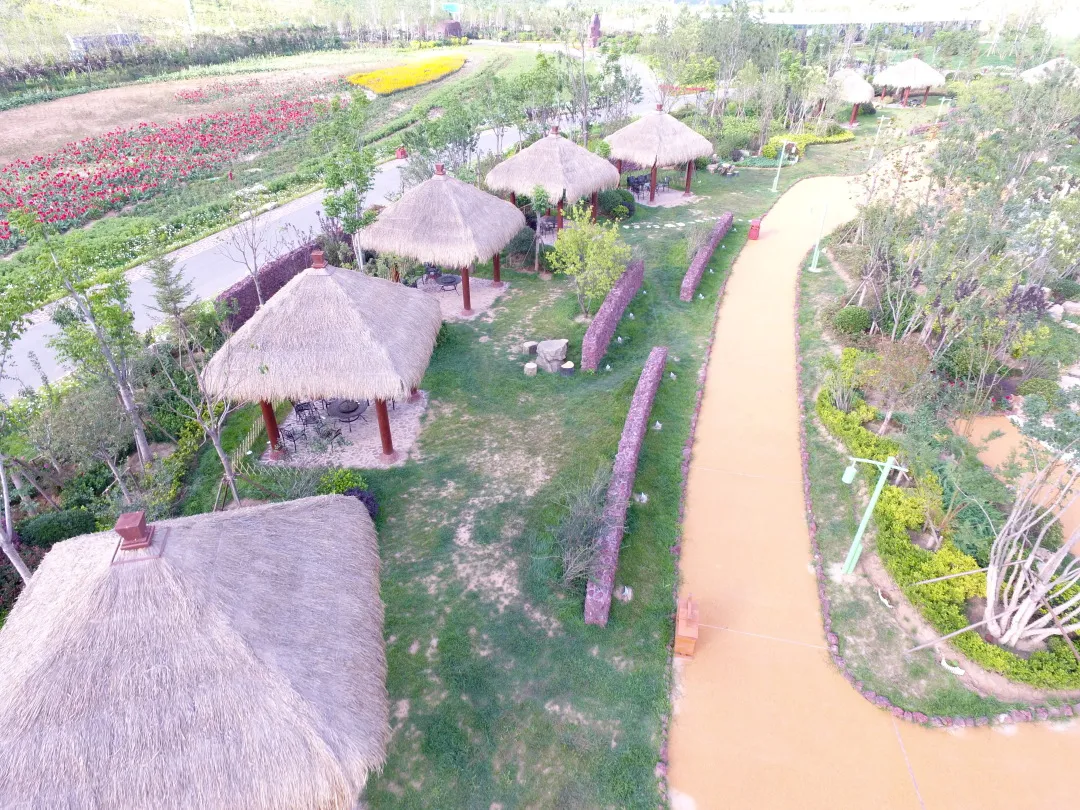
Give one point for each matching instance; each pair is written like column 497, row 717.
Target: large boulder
column 1055, row 312
column 1071, row 307
column 551, row 354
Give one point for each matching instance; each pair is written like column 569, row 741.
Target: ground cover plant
column 390, row 80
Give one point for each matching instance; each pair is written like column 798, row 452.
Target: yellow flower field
column 390, row 80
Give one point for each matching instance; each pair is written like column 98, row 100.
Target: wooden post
column 883, row 89
column 907, row 92
column 926, row 97
column 652, row 184
column 513, row 198
column 558, row 216
column 496, row 281
column 272, row 434
column 465, row 300
column 384, row 428
column 689, row 175
column 618, row 165
column 854, row 114
column 686, row 627
column 595, row 204
column 414, row 395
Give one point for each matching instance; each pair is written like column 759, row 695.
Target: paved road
column 211, row 271
column 762, row 718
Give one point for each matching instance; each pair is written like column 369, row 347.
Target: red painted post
column 272, row 434
column 907, row 92
column 652, row 184
column 496, row 281
column 595, row 204
column 465, row 300
column 854, row 114
column 414, row 395
column 618, row 165
column 689, row 175
column 883, row 89
column 513, row 198
column 384, row 428
column 558, row 216
column 926, row 97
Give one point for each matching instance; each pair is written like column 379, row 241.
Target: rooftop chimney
column 133, row 531
column 439, row 169
column 317, row 259
column 659, row 107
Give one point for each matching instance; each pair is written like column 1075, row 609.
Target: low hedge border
column 242, row 299
column 598, row 336
column 1015, row 716
column 802, row 141
column 701, row 258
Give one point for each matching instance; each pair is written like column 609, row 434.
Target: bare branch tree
column 252, row 245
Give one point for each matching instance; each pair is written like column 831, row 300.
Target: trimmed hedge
column 612, row 198
column 899, row 511
column 802, row 141
column 242, row 299
column 852, row 320
column 51, row 527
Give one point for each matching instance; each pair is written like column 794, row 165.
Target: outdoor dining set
column 323, row 416
column 639, row 184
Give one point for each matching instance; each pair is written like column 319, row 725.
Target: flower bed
column 597, row 337
column 697, row 266
column 683, row 90
column 242, row 299
column 391, row 80
column 602, row 579
column 216, row 90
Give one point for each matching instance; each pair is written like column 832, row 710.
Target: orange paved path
column 762, row 717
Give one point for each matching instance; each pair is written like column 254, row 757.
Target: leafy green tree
column 590, row 253
column 93, row 430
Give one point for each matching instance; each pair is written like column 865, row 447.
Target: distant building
column 594, row 31
column 447, row 29
column 83, row 45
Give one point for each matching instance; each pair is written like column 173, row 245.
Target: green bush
column 336, row 481
column 848, row 427
column 84, row 489
column 600, row 147
column 852, row 320
column 1047, row 389
column 802, row 141
column 608, row 201
column 737, row 134
column 620, row 212
column 701, row 163
column 522, row 242
column 52, row 527
column 1066, row 289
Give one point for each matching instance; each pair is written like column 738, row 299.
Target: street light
column 779, row 165
column 881, row 122
column 849, row 475
column 817, row 245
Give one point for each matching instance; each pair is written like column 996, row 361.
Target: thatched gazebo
column 1042, row 72
column 445, row 222
column 227, row 660
column 852, row 89
column 911, row 73
column 563, row 169
column 659, row 140
column 330, row 333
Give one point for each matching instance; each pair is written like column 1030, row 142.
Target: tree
column 349, row 165
column 540, row 203
column 7, row 528
column 92, row 428
column 591, row 254
column 252, row 245
column 898, row 372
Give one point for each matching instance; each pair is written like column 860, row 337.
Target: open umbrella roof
column 910, row 73
column 851, row 87
column 445, row 222
column 236, row 662
column 558, row 165
column 1042, row 72
column 658, row 138
column 330, row 332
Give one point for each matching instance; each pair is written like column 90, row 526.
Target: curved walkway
column 762, row 717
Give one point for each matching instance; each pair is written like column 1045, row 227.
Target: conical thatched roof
column 912, row 73
column 658, row 138
column 852, row 88
column 330, row 332
column 558, row 165
column 1042, row 72
column 236, row 663
column 445, row 222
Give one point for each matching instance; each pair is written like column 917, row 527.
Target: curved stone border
column 602, row 580
column 701, row 258
column 1014, row 716
column 598, row 336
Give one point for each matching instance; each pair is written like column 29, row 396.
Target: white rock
column 1055, row 312
column 530, row 369
column 1072, row 307
column 1069, row 382
column 550, row 354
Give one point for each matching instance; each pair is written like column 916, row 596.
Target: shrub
column 1066, row 289
column 852, row 320
column 366, row 497
column 522, row 242
column 848, row 427
column 600, row 147
column 52, row 527
column 612, row 198
column 84, row 489
column 582, row 523
column 802, row 141
column 701, row 163
column 620, row 212
column 1039, row 386
column 340, row 479
column 737, row 134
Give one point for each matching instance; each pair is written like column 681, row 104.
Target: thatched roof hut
column 1042, row 72
column 446, row 222
column 556, row 164
column 330, row 333
column 235, row 662
column 852, row 89
column 910, row 74
column 659, row 139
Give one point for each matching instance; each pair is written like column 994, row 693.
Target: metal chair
column 293, row 435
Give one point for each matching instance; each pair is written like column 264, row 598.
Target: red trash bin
column 755, row 228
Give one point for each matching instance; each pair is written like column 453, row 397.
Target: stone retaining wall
column 597, row 337
column 602, row 580
column 701, row 259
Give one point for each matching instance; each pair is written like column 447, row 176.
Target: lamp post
column 881, row 122
column 941, row 108
column 779, row 165
column 817, row 245
column 849, row 475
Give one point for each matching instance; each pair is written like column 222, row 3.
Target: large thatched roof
column 558, row 165
column 911, row 73
column 658, row 138
column 236, row 663
column 444, row 221
column 851, row 88
column 1046, row 69
column 330, row 332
